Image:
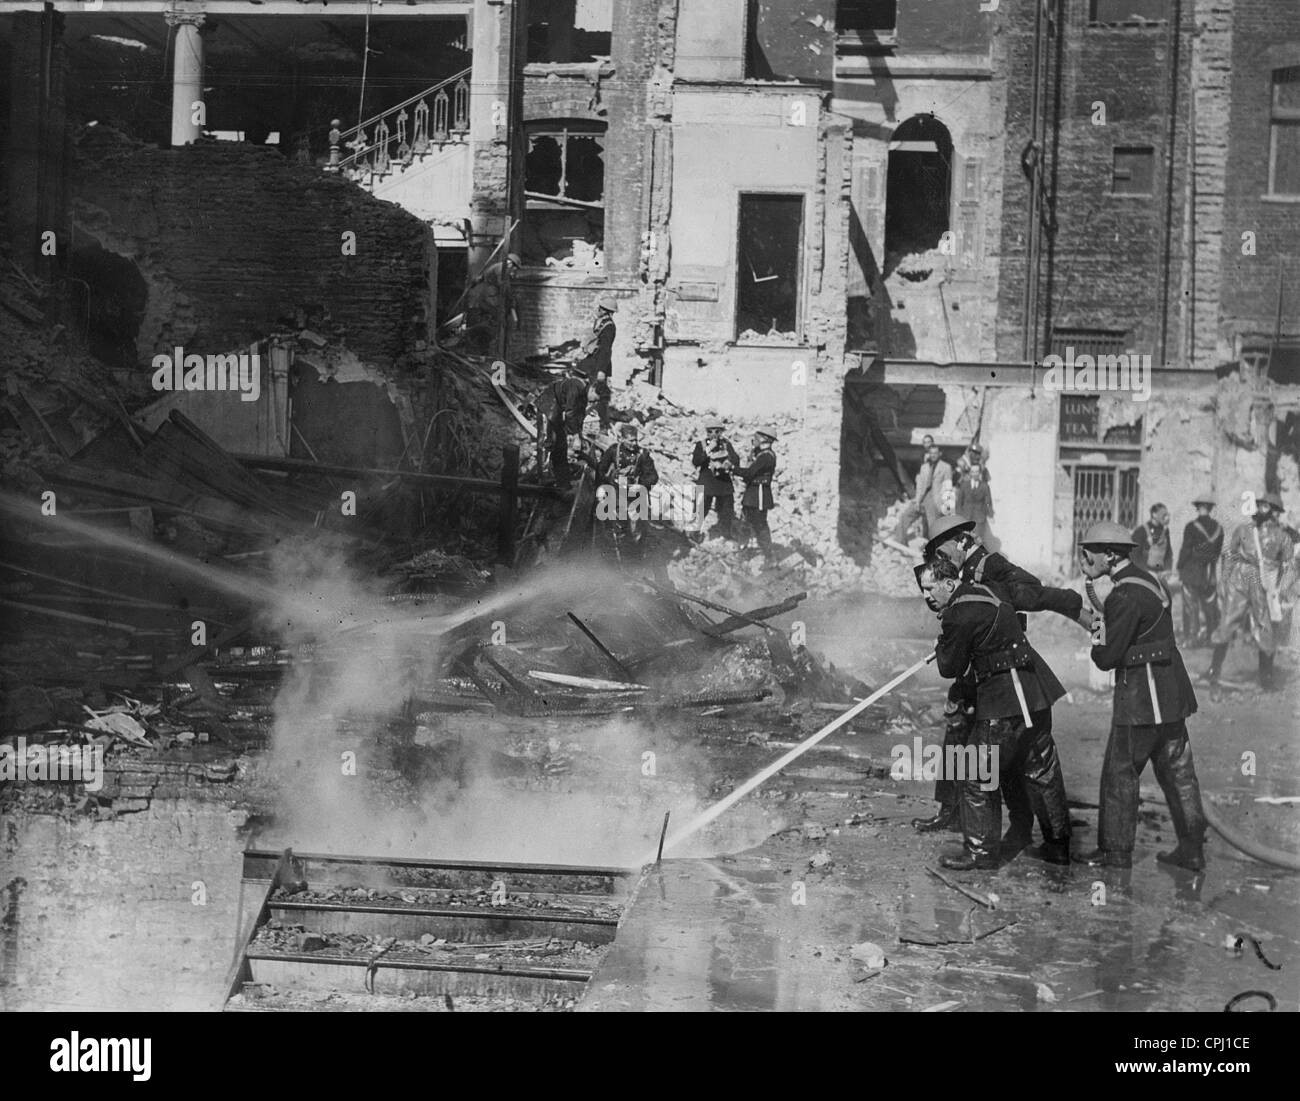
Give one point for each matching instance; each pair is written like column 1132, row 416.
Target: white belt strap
column 1020, row 697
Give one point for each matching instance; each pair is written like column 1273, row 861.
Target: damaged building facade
column 858, row 220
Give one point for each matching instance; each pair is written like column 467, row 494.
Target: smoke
column 354, row 779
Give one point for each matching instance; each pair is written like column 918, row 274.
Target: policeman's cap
column 1206, row 500
column 1270, row 498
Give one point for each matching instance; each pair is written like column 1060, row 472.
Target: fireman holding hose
column 1153, row 698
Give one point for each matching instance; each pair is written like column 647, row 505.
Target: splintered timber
column 177, row 371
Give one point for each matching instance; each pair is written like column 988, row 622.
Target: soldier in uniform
column 1152, row 700
column 955, row 542
column 1258, row 567
column 627, row 471
column 757, row 501
column 715, row 461
column 981, row 638
column 1198, row 570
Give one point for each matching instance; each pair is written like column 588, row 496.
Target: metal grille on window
column 1091, row 342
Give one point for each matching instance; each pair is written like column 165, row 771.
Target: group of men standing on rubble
column 627, row 463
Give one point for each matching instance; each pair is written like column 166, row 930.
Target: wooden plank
column 445, row 481
column 736, row 623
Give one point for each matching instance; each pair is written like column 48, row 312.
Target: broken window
column 1284, row 133
column 566, row 31
column 866, row 17
column 768, row 259
column 1127, row 11
column 917, row 190
column 1134, row 171
column 564, row 190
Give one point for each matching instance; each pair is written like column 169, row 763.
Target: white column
column 187, row 75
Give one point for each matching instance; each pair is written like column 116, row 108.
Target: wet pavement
column 773, row 927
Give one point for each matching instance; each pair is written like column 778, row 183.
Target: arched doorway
column 917, row 189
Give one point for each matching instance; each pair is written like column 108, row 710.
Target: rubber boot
column 1267, row 681
column 946, row 820
column 1216, row 663
column 1188, row 854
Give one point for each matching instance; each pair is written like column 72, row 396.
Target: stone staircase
column 416, row 154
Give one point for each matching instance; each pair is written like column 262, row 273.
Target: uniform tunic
column 758, row 482
column 1138, row 624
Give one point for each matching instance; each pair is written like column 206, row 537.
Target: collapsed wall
column 232, row 242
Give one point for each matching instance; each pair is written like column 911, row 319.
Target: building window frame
column 1281, row 118
column 540, row 203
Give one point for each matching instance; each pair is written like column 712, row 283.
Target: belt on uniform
column 1011, row 660
column 1146, row 654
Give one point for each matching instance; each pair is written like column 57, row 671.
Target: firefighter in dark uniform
column 1014, row 692
column 564, row 404
column 955, row 542
column 757, row 501
column 1198, row 570
column 627, row 470
column 1153, row 698
column 715, row 461
column 597, row 349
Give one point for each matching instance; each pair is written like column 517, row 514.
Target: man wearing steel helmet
column 1152, row 699
column 954, row 542
column 758, row 500
column 981, row 638
column 1258, row 567
column 597, row 349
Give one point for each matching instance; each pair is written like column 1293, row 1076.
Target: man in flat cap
column 1258, row 569
column 1198, row 570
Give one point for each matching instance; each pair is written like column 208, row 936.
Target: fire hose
column 715, row 811
column 1280, row 858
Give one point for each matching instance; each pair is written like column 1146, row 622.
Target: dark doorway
column 917, row 190
column 768, row 264
column 453, row 275
column 109, row 296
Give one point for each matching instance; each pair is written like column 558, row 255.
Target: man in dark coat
column 1198, row 570
column 1153, row 698
column 956, row 543
column 1010, row 741
column 715, row 461
column 564, row 404
column 624, row 476
column 597, row 348
column 758, row 501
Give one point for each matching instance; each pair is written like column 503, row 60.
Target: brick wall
column 233, row 240
column 1265, row 36
column 36, row 153
column 556, row 308
column 1106, row 265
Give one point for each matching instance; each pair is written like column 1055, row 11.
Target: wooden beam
column 509, row 498
column 447, row 481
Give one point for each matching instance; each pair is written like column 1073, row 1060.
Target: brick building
column 862, row 220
